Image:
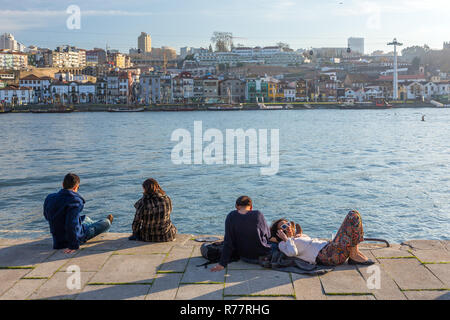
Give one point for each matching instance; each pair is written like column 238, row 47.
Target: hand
column 282, row 235
column 69, row 251
column 217, row 268
column 273, row 239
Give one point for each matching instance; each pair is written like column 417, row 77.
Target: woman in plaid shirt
column 152, row 220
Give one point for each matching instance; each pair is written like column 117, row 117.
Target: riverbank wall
column 209, row 107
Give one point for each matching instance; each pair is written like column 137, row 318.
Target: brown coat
column 152, row 220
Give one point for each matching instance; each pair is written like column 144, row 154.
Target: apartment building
column 10, row 60
column 66, row 57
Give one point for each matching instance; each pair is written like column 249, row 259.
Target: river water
column 388, row 164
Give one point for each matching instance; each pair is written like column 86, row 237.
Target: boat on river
column 226, row 107
column 57, row 109
column 126, row 109
column 5, row 110
column 377, row 104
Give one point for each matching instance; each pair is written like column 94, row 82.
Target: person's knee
column 108, row 222
column 354, row 216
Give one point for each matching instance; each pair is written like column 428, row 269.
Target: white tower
column 395, row 43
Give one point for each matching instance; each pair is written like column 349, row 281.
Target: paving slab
column 192, row 242
column 350, row 297
column 428, row 295
column 8, row 277
column 89, row 260
column 442, row 271
column 432, row 255
column 106, row 242
column 24, row 255
column 44, row 241
column 111, row 261
column 200, row 292
column 114, row 292
column 241, row 265
column 56, row 287
column 307, row 287
column 137, row 247
column 284, row 298
column 411, row 274
column 388, row 289
column 424, row 244
column 120, row 269
column 177, row 259
column 195, row 274
column 345, row 279
column 258, row 282
column 394, row 251
column 164, row 287
column 446, row 244
column 22, row 289
column 51, row 264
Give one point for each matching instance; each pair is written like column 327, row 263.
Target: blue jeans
column 93, row 229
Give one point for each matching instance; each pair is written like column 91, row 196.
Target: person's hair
column 151, row 186
column 244, row 201
column 70, row 181
column 274, row 229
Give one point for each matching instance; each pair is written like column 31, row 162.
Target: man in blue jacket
column 62, row 211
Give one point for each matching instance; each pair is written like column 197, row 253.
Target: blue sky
column 177, row 23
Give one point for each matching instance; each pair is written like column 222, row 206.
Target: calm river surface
column 388, row 164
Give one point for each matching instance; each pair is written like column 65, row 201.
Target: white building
column 86, row 92
column 13, row 60
column 66, row 57
column 356, row 45
column 40, row 86
column 290, row 91
column 124, row 88
column 16, row 96
column 67, row 76
column 8, row 42
column 415, row 90
column 443, row 88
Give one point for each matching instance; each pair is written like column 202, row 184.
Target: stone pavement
column 112, row 267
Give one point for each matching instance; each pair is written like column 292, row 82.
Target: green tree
column 223, row 41
column 415, row 64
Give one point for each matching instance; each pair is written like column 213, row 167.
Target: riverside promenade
column 114, row 268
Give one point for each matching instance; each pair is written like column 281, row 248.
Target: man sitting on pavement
column 62, row 211
column 246, row 233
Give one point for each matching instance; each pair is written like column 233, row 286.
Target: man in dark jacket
column 62, row 211
column 246, row 234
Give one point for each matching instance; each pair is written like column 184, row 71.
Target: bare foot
column 358, row 256
column 110, row 218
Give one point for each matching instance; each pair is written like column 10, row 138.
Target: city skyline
column 177, row 24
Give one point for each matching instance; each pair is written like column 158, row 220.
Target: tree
column 210, row 48
column 415, row 64
column 283, row 46
column 223, row 41
column 415, row 51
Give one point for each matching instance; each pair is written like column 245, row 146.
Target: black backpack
column 212, row 252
